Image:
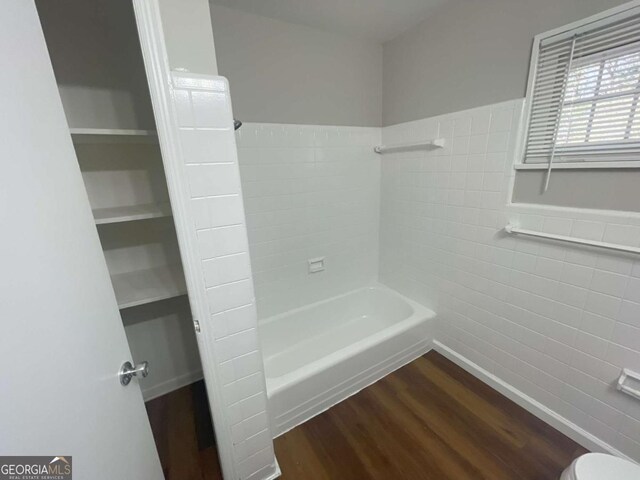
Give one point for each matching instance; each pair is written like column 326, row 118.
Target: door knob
column 128, row 371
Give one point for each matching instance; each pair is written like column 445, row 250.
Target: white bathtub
column 322, row 353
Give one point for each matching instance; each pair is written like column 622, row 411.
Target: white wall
column 557, row 322
column 309, row 192
column 162, row 334
column 285, row 73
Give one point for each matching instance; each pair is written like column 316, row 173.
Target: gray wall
column 470, row 53
column 100, row 73
column 600, row 189
column 285, row 73
column 188, row 36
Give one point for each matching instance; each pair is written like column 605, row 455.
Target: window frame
column 608, row 16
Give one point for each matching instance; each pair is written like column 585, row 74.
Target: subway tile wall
column 309, row 192
column 555, row 321
column 212, row 175
column 558, row 322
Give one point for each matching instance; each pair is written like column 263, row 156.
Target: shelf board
column 112, row 135
column 131, row 213
column 410, row 147
column 146, row 286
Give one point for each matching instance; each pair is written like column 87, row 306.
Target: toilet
column 600, row 466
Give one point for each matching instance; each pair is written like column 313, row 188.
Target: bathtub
column 318, row 355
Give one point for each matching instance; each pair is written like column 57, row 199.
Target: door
column 62, row 341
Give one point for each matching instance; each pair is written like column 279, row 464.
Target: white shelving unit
column 131, row 213
column 104, row 85
column 116, row 170
column 146, row 286
column 112, row 135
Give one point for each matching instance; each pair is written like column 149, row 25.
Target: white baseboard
column 568, row 428
column 170, row 385
column 277, row 473
column 269, row 472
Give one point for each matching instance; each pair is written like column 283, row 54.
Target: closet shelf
column 146, row 286
column 131, row 213
column 112, row 135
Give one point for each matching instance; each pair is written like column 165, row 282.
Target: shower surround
column 309, row 192
column 549, row 325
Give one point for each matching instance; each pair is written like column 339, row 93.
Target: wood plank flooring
column 428, row 420
column 183, row 433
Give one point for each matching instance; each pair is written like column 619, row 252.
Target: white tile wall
column 309, row 191
column 555, row 321
column 205, row 123
column 558, row 322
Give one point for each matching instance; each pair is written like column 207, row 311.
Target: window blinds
column 586, row 94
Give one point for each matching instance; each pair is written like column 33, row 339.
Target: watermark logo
column 36, row 468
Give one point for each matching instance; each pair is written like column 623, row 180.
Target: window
column 600, row 103
column 584, row 93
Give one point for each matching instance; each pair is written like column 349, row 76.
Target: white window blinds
column 586, row 92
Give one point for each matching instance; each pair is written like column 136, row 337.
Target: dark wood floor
column 183, row 433
column 428, row 420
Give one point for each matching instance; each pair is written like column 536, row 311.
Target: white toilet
column 600, row 466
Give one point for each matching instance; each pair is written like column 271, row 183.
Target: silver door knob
column 128, row 371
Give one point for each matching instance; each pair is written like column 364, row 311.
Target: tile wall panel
column 309, row 191
column 556, row 321
column 213, row 179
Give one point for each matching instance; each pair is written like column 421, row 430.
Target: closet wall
column 96, row 57
column 97, row 61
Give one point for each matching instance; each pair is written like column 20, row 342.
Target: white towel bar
column 409, row 147
column 564, row 238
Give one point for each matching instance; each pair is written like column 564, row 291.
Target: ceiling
column 378, row 20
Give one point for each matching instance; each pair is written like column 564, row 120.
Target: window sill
column 577, row 165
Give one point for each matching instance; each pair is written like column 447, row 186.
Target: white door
column 61, row 338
